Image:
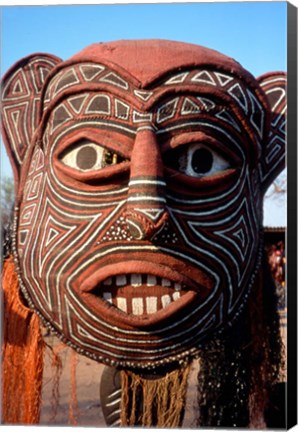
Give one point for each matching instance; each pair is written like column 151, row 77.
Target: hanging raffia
column 22, row 355
column 73, row 403
column 153, row 402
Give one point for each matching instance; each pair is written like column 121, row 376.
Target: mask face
column 139, row 225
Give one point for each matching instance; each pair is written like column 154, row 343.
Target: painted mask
column 140, row 169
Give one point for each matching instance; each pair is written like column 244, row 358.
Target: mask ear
column 20, row 102
column 273, row 158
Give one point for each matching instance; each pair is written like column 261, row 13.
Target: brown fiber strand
column 22, row 355
column 258, row 395
column 153, row 401
column 73, row 404
column 57, row 368
column 265, row 355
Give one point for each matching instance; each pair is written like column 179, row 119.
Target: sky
column 253, row 33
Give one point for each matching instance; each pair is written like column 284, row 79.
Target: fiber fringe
column 56, row 364
column 57, row 353
column 22, row 355
column 267, row 350
column 240, row 368
column 73, row 405
column 258, row 398
column 151, row 401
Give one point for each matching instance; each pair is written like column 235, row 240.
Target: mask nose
column 146, row 211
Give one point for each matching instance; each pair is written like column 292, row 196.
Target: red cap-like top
column 147, row 60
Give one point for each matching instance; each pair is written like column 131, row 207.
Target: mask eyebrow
column 172, row 107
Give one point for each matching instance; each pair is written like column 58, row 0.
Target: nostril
column 136, row 228
column 142, row 227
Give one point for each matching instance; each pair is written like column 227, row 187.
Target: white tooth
column 121, row 304
column 151, row 305
column 177, row 286
column 136, row 279
column 107, row 296
column 165, row 300
column 176, row 295
column 165, row 282
column 121, row 280
column 137, row 306
column 151, row 280
column 107, row 281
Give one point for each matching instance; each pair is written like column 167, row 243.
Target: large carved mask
column 140, row 169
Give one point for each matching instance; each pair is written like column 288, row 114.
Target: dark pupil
column 202, row 161
column 86, row 157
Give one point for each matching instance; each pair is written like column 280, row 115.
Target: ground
column 88, row 411
column 87, row 373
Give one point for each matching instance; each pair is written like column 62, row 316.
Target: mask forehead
column 147, row 61
column 225, row 96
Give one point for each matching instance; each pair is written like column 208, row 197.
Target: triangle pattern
column 205, row 77
column 16, row 87
column 207, row 103
column 89, row 72
column 43, row 72
column 257, row 116
column 223, row 79
column 61, row 115
column 52, row 234
column 40, row 160
column 240, row 235
column 15, row 117
column 114, row 79
column 83, row 332
column 237, row 93
column 77, row 102
column 66, row 80
column 153, row 214
column 189, row 107
column 177, row 79
column 167, row 110
column 17, row 128
column 143, row 95
column 40, row 74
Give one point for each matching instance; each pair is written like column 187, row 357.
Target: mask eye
column 88, row 156
column 198, row 160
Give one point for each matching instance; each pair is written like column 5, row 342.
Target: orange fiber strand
column 22, row 355
column 57, row 366
column 73, row 405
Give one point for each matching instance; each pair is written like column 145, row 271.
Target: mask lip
column 143, row 321
column 91, row 286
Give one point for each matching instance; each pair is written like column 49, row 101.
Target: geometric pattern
column 274, row 86
column 82, row 266
column 54, row 233
column 21, row 88
column 244, row 98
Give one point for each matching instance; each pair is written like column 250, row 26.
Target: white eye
column 88, row 156
column 198, row 160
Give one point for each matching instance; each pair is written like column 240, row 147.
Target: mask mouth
column 142, row 293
